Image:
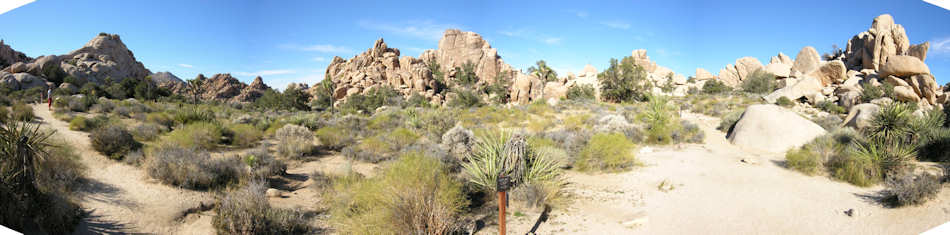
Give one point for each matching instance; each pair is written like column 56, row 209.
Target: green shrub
column 869, row 161
column 715, row 87
column 607, row 152
column 623, row 82
column 687, row 132
column 373, row 99
column 245, row 135
column 190, row 168
column 581, row 92
column 160, row 118
column 113, row 141
column 729, row 120
column 262, row 164
column 21, row 112
column 201, row 135
column 659, row 120
column 830, row 107
column 190, row 115
column 294, row 141
column 4, row 114
column 871, row 92
column 784, row 102
column 466, row 98
column 246, row 211
column 909, row 189
column 147, row 131
column 489, row 155
column 803, row 160
column 81, row 123
column 759, row 82
column 334, row 138
column 414, row 195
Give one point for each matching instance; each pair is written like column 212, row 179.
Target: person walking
column 49, row 97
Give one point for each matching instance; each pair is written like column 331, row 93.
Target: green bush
column 784, row 102
column 147, row 131
column 759, row 82
column 190, row 115
column 803, row 160
column 623, row 82
column 729, row 120
column 715, row 87
column 871, row 92
column 191, row 168
column 466, row 98
column 414, row 195
column 830, row 107
column 262, row 164
column 246, row 211
column 659, row 120
column 113, row 141
column 4, row 114
column 201, row 135
column 607, row 152
column 245, row 135
column 538, row 165
column 869, row 161
column 581, row 92
column 373, row 99
column 81, row 123
column 160, row 118
column 334, row 138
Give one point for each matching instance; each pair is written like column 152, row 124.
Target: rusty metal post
column 503, row 183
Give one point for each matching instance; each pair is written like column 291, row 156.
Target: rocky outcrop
column 253, row 91
column 8, row 56
column 903, row 66
column 871, row 49
column 773, row 128
column 225, row 88
column 745, row 66
column 919, row 51
column 797, row 89
column 457, row 48
column 587, row 77
column 806, row 62
column 169, row 81
column 382, row 66
column 525, row 88
column 831, row 72
column 104, row 57
column 860, row 115
column 702, row 74
column 22, row 81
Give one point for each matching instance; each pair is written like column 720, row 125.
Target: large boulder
column 806, row 62
column 253, row 91
column 831, row 72
column 800, row 88
column 8, row 56
column 105, row 56
column 871, row 48
column 640, row 58
column 773, row 128
column 525, row 89
column 779, row 69
column 919, row 51
column 457, row 48
column 730, row 76
column 555, row 90
column 781, row 58
column 906, row 94
column 903, row 66
column 860, row 115
column 925, row 86
column 27, row 81
column 745, row 66
column 702, row 74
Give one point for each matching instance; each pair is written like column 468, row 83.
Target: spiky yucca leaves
column 22, row 146
column 485, row 163
column 892, row 123
column 870, row 160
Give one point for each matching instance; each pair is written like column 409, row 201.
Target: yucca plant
column 492, row 155
column 892, row 123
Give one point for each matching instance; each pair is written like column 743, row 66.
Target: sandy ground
column 716, row 192
column 120, row 198
column 716, row 188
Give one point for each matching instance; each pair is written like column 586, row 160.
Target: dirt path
column 715, row 192
column 120, row 198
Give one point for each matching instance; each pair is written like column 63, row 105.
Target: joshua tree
column 195, row 86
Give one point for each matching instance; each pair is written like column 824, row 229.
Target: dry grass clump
column 607, row 152
column 201, row 135
column 909, row 189
column 382, row 146
column 246, row 211
column 334, row 138
column 294, row 141
column 190, row 168
column 414, row 195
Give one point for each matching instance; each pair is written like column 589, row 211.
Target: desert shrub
column 78, row 123
column 581, row 92
column 830, row 107
column 687, row 132
column 829, row 122
column 871, row 92
column 715, row 87
column 81, row 123
column 294, row 141
column 417, row 100
column 190, row 115
column 490, row 157
column 382, row 146
column 869, row 161
column 784, row 102
column 102, row 106
column 414, row 195
column 804, row 160
column 160, row 118
column 190, row 168
column 935, row 146
column 246, row 211
column 21, row 112
column 571, row 141
column 262, row 164
column 466, row 98
column 4, row 114
column 38, row 178
column 759, row 82
column 334, row 138
column 201, row 135
column 729, row 120
column 607, row 152
column 908, row 189
column 371, row 100
column 659, row 120
column 113, row 141
column 245, row 135
column 147, row 131
column 623, row 81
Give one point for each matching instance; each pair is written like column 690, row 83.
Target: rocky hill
column 225, row 88
column 8, row 56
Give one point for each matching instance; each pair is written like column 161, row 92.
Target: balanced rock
column 831, row 72
column 773, row 128
column 779, row 69
column 800, row 88
column 702, row 74
column 870, row 49
column 745, row 66
column 903, row 66
column 806, row 62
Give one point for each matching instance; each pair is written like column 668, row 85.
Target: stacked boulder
column 225, row 88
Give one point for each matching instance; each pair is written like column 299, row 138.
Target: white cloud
column 581, row 14
column 616, row 24
column 319, row 59
column 186, row 66
column 424, row 29
column 552, row 40
column 530, row 35
column 940, row 46
column 266, row 72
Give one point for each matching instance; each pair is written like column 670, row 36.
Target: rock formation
column 223, row 87
column 870, row 49
column 773, row 128
column 8, row 56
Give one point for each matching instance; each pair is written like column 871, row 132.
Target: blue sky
column 293, row 41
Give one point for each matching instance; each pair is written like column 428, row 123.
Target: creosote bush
column 294, row 141
column 784, row 102
column 909, row 189
column 414, row 195
column 334, row 138
column 715, row 86
column 245, row 135
column 607, row 152
column 113, row 141
column 759, row 82
column 201, row 135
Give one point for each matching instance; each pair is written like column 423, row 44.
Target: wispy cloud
column 186, row 66
column 319, row 59
column 424, row 29
column 940, row 46
column 616, row 24
column 581, row 14
column 530, row 35
column 266, row 72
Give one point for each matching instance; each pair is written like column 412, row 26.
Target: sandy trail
column 715, row 192
column 120, row 198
